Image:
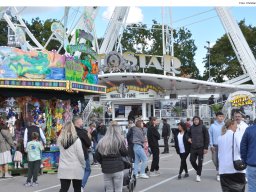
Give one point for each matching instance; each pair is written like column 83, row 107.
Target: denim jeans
column 87, row 172
column 251, row 176
column 113, row 181
column 139, row 156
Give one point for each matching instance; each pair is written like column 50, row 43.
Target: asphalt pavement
column 166, row 182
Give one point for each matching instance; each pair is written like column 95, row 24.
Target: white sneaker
column 153, row 174
column 144, row 176
column 157, row 173
column 218, row 177
column 198, row 179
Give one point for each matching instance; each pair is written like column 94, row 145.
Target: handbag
column 239, row 164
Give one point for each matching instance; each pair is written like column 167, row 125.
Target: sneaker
column 137, row 176
column 153, row 174
column 186, row 175
column 7, row 175
column 198, row 179
column 27, row 184
column 218, row 177
column 179, row 176
column 157, row 173
column 35, row 184
column 144, row 176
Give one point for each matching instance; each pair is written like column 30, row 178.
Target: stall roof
column 172, row 84
column 52, row 85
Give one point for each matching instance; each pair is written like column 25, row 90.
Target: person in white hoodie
column 214, row 133
column 72, row 162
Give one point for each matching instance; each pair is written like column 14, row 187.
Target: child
column 34, row 149
column 18, row 155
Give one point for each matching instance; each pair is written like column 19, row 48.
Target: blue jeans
column 87, row 172
column 251, row 176
column 139, row 156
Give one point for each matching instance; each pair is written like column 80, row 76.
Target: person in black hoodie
column 109, row 154
column 182, row 147
column 153, row 137
column 86, row 143
column 166, row 135
column 199, row 139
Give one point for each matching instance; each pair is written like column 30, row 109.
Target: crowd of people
column 228, row 141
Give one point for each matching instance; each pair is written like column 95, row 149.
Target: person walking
column 72, row 161
column 214, row 133
column 199, row 139
column 109, row 152
column 93, row 132
column 86, row 144
column 248, row 155
column 129, row 138
column 6, row 143
column 153, row 137
column 231, row 180
column 34, row 150
column 182, row 147
column 166, row 131
column 138, row 140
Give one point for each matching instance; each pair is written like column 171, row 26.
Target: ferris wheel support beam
column 39, row 46
column 238, row 42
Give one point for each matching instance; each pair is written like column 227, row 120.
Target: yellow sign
column 241, row 100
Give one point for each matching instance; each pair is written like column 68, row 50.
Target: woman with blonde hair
column 230, row 178
column 72, row 162
column 109, row 154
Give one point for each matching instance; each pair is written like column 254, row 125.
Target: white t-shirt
column 240, row 131
column 181, row 144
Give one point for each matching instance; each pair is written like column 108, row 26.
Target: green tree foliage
column 42, row 31
column 184, row 46
column 3, row 33
column 223, row 60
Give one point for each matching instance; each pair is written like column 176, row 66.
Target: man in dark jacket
column 153, row 137
column 199, row 139
column 166, row 135
column 86, row 143
column 101, row 131
column 248, row 155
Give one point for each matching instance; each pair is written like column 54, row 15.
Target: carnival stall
column 47, row 88
column 243, row 101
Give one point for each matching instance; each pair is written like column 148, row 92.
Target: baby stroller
column 129, row 179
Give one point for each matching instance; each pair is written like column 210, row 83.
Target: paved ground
column 166, row 182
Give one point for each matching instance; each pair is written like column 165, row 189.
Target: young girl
column 34, row 150
column 18, row 154
column 182, row 148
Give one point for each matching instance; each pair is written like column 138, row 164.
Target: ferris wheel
column 73, row 18
column 82, row 18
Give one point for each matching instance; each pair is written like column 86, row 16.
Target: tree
column 184, row 50
column 42, row 31
column 184, row 46
column 223, row 60
column 3, row 33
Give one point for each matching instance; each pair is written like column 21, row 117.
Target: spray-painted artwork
column 15, row 62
